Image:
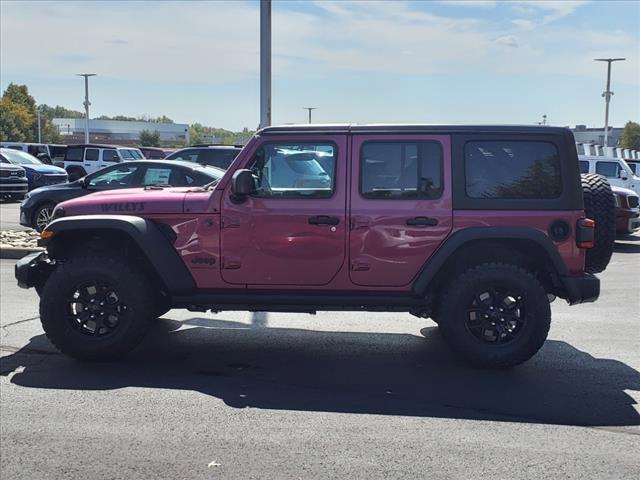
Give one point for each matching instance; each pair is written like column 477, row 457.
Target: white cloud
column 217, row 43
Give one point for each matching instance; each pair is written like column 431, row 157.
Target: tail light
column 585, row 233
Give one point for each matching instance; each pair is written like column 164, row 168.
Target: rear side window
column 74, row 154
column 401, row 170
column 584, row 166
column 512, row 169
column 608, row 169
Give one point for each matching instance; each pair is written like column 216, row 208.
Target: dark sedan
column 38, row 205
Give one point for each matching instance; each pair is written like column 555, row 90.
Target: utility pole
column 607, row 95
column 265, row 63
column 39, row 128
column 86, row 103
column 309, row 109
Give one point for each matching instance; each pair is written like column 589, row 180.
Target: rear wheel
column 495, row 315
column 599, row 205
column 95, row 307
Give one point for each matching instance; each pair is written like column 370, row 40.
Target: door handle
column 324, row 220
column 422, row 221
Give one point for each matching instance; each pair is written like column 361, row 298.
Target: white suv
column 80, row 160
column 616, row 170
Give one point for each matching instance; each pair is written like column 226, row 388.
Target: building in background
column 596, row 135
column 120, row 132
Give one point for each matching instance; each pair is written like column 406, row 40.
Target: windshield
column 137, row 154
column 126, row 154
column 19, row 158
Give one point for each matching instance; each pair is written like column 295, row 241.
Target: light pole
column 39, row 128
column 265, row 63
column 86, row 103
column 309, row 109
column 607, row 95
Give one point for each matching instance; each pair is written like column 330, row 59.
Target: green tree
column 630, row 137
column 20, row 94
column 16, row 122
column 150, row 139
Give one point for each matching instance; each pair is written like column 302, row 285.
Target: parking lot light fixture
column 607, row 95
column 86, row 103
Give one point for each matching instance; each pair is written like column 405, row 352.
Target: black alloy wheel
column 496, row 316
column 95, row 309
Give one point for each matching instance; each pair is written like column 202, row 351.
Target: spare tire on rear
column 599, row 205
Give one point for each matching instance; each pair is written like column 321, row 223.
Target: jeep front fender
column 153, row 243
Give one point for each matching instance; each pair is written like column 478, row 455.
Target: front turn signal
column 46, row 234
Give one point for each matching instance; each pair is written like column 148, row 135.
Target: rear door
column 292, row 231
column 92, row 160
column 401, row 208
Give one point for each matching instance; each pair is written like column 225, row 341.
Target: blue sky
column 480, row 61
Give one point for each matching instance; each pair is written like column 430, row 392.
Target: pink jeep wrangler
column 478, row 228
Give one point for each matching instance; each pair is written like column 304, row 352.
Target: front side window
column 512, row 169
column 634, row 167
column 120, row 176
column 303, row 170
column 608, row 169
column 91, row 154
column 401, row 170
column 110, row 156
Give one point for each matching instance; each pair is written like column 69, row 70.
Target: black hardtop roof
column 97, row 145
column 411, row 128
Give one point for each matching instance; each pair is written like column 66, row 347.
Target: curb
column 15, row 253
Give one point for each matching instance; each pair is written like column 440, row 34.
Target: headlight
column 27, row 195
column 36, row 175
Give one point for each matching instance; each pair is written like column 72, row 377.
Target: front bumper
column 26, row 214
column 583, row 288
column 33, row 269
column 12, row 187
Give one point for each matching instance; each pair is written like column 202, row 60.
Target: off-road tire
column 132, row 289
column 599, row 205
column 75, row 174
column 453, row 315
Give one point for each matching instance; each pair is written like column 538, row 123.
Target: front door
column 401, row 208
column 292, row 230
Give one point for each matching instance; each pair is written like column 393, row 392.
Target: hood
column 45, row 169
column 10, row 167
column 129, row 201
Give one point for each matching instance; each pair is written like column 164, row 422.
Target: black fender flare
column 152, row 241
column 458, row 239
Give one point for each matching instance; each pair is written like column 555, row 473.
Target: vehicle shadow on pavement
column 369, row 373
column 620, row 247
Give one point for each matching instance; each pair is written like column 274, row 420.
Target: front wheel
column 96, row 307
column 495, row 315
column 43, row 216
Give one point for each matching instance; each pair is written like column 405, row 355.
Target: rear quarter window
column 74, row 154
column 512, row 170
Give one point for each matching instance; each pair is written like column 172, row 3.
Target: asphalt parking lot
column 236, row 395
column 10, row 215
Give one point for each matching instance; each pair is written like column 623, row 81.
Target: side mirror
column 242, row 185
